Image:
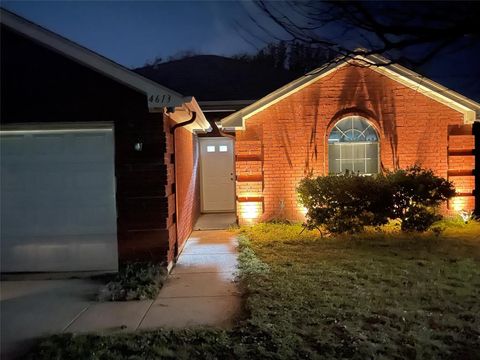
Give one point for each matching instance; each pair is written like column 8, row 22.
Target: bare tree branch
column 382, row 26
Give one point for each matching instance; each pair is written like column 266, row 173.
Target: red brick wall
column 187, row 183
column 170, row 193
column 461, row 162
column 290, row 137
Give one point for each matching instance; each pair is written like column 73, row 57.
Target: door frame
column 206, row 138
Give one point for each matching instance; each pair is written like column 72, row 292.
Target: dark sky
column 132, row 33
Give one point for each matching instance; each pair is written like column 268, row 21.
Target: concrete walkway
column 199, row 291
column 215, row 221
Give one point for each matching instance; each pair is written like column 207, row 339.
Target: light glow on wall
column 249, row 211
column 457, row 204
column 303, row 210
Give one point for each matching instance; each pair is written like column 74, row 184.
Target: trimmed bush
column 345, row 203
column 349, row 202
column 416, row 194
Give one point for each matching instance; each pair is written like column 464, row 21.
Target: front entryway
column 217, row 175
column 215, row 221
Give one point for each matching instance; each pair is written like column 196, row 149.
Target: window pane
column 210, row 148
column 347, row 165
column 358, row 151
column 346, row 151
column 359, row 166
column 223, row 148
column 334, row 159
column 335, row 136
column 353, row 146
column 372, row 156
column 371, row 134
column 359, row 124
column 372, row 150
column 372, row 166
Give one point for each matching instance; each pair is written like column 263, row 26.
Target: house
column 100, row 164
column 364, row 115
column 97, row 162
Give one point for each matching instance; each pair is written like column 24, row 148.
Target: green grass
column 381, row 295
column 370, row 296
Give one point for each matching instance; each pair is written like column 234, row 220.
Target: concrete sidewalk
column 199, row 291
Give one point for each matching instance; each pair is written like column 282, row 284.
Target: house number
column 159, row 99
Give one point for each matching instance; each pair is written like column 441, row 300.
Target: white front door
column 217, row 175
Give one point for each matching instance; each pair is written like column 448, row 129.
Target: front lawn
column 375, row 295
column 369, row 296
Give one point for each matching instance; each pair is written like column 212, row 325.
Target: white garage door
column 58, row 200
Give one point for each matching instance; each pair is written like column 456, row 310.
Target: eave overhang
column 469, row 108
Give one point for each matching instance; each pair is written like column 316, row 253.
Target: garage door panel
column 61, row 253
column 91, row 180
column 58, row 201
column 8, row 179
column 91, row 147
column 52, row 145
column 16, row 218
column 11, row 147
column 101, row 222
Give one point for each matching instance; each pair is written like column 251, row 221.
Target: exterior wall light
column 138, row 146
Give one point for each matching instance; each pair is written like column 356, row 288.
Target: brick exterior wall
column 187, row 183
column 154, row 207
column 289, row 139
column 170, row 186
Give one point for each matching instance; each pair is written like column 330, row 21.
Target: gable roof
column 158, row 96
column 469, row 108
column 218, row 78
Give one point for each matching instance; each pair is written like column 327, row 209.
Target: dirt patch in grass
column 378, row 295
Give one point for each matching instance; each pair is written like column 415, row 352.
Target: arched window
column 353, row 146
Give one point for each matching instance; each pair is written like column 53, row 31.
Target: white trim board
column 469, row 108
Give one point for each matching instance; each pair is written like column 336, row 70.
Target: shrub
column 134, row 281
column 416, row 194
column 349, row 202
column 345, row 203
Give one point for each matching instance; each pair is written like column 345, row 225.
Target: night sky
column 132, row 33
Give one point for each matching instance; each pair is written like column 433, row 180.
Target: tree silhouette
column 408, row 32
column 295, row 56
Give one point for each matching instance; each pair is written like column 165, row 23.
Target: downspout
column 172, row 132
column 188, row 122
